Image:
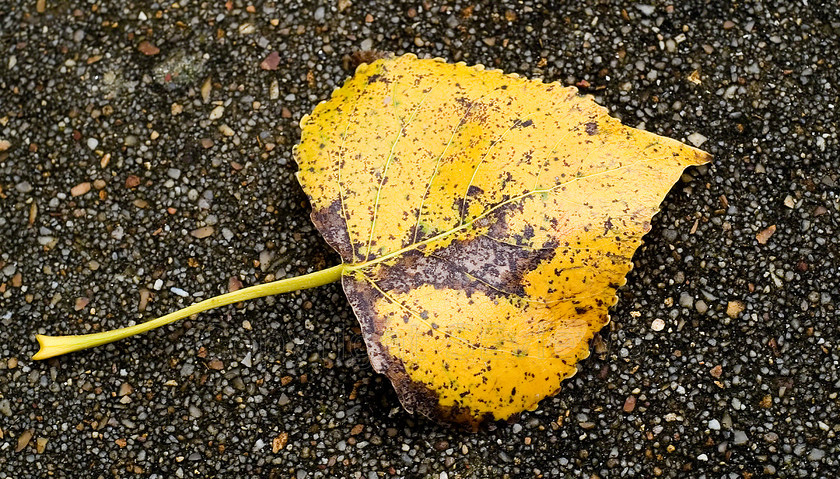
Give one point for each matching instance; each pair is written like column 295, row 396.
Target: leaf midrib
column 464, row 226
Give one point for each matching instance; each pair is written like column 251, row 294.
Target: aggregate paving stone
column 116, row 206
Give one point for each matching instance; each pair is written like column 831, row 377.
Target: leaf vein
column 388, row 163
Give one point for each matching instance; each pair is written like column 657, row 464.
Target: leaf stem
column 58, row 345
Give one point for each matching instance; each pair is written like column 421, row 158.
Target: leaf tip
column 703, row 157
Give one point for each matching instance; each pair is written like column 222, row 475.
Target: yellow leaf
column 485, row 222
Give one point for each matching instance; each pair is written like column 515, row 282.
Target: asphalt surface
column 126, row 192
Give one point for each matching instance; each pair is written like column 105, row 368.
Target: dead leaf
column 485, row 222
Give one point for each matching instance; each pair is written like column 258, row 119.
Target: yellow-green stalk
column 58, row 345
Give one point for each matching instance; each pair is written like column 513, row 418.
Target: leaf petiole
column 58, row 345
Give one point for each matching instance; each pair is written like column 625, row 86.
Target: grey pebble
column 686, row 300
column 6, row 407
column 816, row 454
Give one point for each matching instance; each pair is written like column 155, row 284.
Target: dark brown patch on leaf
column 479, row 264
column 352, row 61
column 330, row 223
column 362, row 296
column 415, row 396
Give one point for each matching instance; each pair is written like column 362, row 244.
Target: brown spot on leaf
column 330, row 223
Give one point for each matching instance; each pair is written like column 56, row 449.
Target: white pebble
column 180, row 292
column 158, row 284
column 217, row 113
column 657, row 325
column 226, row 130
column 92, row 143
column 790, row 202
column 246, row 361
column 274, row 90
column 646, row 9
column 697, row 139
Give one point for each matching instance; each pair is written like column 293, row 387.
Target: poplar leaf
column 484, row 221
